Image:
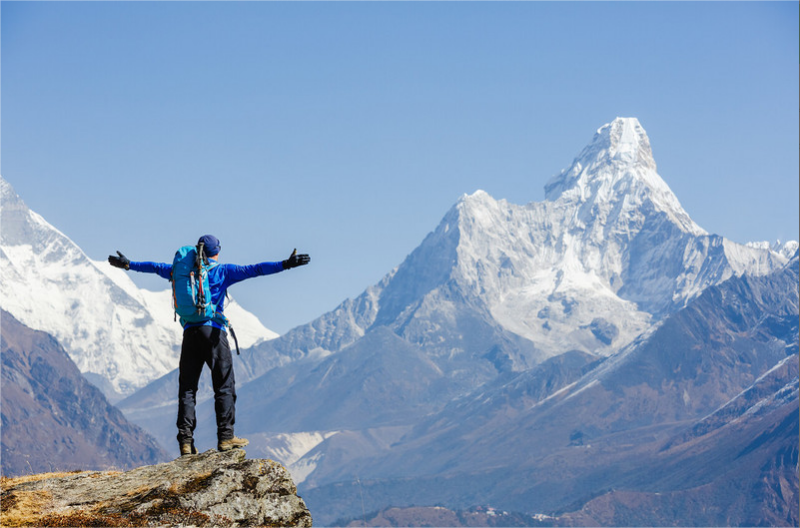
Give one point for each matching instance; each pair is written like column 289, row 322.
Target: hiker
column 205, row 339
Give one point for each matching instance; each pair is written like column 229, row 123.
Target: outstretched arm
column 234, row 273
column 161, row 269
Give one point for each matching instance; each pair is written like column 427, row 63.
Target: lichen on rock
column 209, row 489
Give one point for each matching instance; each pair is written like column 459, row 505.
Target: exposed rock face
column 694, row 424
column 55, row 420
column 210, row 489
column 439, row 516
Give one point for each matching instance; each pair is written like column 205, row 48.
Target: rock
column 209, row 489
column 605, row 331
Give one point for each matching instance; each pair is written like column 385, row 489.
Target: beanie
column 211, row 245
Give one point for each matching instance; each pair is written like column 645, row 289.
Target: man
column 207, row 343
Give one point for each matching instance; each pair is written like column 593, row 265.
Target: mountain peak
column 10, row 201
column 617, row 167
column 619, row 147
column 625, row 141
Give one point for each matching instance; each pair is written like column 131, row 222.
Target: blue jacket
column 220, row 277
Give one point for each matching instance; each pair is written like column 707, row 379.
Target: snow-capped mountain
column 607, row 254
column 699, row 415
column 495, row 289
column 120, row 336
column 504, row 310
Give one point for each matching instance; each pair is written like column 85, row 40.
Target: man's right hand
column 119, row 262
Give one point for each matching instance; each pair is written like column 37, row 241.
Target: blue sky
column 348, row 129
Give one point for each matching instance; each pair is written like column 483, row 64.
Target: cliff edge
column 209, row 489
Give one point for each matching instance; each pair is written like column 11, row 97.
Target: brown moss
column 181, row 516
column 81, row 518
column 157, row 516
column 192, row 486
column 8, row 501
column 23, row 508
column 6, row 482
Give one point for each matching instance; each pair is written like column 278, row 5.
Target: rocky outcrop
column 209, row 489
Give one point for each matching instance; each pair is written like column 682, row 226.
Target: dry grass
column 23, row 508
column 6, row 482
column 83, row 519
column 19, row 507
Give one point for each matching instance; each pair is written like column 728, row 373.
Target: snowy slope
column 609, row 253
column 121, row 337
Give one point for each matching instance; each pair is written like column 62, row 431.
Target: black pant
column 206, row 345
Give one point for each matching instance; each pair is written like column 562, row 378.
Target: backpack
column 190, row 290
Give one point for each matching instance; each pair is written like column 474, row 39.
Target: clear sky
column 348, row 129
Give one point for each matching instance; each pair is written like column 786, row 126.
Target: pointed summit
column 19, row 224
column 625, row 142
column 617, row 169
column 8, row 197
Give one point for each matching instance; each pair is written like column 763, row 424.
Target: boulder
column 209, row 489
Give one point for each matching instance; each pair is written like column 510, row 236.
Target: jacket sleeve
column 161, row 269
column 234, row 273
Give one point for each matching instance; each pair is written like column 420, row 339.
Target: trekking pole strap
column 236, row 341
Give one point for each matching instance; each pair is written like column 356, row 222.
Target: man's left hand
column 295, row 260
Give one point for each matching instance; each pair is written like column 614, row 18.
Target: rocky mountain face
column 53, row 419
column 211, row 489
column 120, row 336
column 694, row 423
column 441, row 516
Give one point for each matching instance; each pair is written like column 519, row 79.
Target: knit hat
column 211, row 245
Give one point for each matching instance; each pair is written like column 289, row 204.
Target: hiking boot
column 232, row 443
column 188, row 448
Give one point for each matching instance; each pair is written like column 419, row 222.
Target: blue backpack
column 190, row 290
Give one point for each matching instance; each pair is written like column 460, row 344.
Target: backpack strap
column 220, row 318
column 235, row 341
column 200, row 259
